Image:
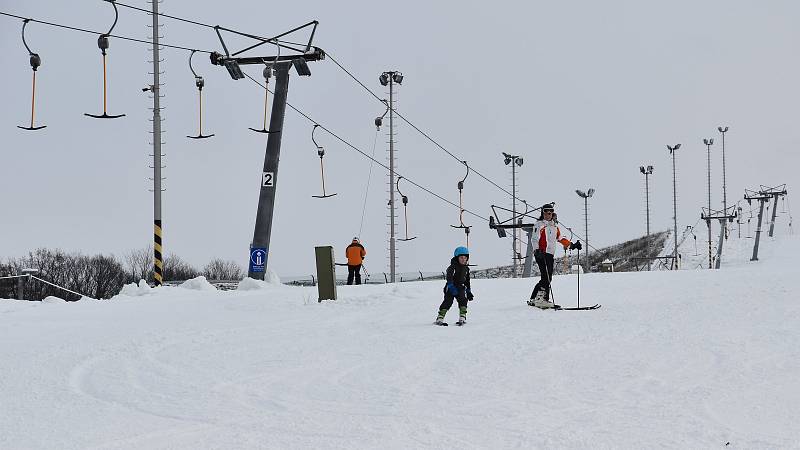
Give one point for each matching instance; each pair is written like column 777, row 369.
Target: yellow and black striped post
column 159, row 260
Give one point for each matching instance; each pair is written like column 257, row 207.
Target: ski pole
column 579, row 278
column 549, row 281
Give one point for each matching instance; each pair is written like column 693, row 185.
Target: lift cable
column 427, row 136
column 214, row 27
column 52, row 24
column 366, row 155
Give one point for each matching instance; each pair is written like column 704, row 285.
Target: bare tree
column 219, row 269
column 176, row 269
column 139, row 264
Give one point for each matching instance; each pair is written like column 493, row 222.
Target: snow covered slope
column 686, row 359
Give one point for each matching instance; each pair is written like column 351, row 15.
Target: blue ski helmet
column 461, row 251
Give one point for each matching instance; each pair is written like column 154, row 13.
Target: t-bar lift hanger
column 461, row 204
column 405, row 209
column 199, row 82
column 321, row 153
column 36, row 61
column 102, row 43
column 267, row 75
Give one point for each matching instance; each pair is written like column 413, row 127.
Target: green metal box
column 326, row 273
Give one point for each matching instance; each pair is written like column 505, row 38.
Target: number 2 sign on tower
column 268, row 179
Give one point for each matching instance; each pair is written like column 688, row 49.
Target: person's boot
column 541, row 300
column 462, row 316
column 440, row 317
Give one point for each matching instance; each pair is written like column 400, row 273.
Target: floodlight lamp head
column 507, row 160
column 641, row 169
column 398, row 78
column 378, row 122
column 580, row 193
column 708, row 141
column 649, row 169
column 722, row 130
column 591, row 192
column 519, row 161
column 384, row 79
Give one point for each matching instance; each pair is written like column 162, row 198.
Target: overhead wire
column 426, row 135
column 68, row 27
column 345, row 142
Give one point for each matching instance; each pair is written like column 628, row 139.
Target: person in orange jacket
column 548, row 236
column 355, row 257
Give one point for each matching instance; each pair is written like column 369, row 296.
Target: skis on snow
column 572, row 308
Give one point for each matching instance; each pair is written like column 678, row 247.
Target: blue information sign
column 258, row 259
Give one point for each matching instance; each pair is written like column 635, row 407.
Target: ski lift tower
column 298, row 57
column 513, row 223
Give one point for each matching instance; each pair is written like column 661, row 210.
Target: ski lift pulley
column 267, row 75
column 321, row 154
column 405, row 208
column 103, row 44
column 200, row 83
column 35, row 61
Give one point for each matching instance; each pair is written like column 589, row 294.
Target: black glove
column 576, row 244
column 469, row 295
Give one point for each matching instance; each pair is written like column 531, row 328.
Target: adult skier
column 457, row 287
column 548, row 236
column 355, row 258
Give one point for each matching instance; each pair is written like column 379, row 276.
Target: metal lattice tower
column 390, row 78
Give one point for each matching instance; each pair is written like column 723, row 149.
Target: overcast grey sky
column 585, row 91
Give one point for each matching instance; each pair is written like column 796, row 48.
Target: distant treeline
column 101, row 276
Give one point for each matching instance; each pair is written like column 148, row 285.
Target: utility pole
column 158, row 252
column 672, row 151
column 647, row 171
column 390, row 78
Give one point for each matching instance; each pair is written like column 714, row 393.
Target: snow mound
column 134, row 290
column 198, row 284
column 52, row 299
column 271, row 279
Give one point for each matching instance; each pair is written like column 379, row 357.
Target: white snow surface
column 684, row 359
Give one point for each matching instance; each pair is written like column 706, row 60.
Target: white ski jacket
column 548, row 235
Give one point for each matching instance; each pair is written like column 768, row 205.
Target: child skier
column 457, row 287
column 547, row 235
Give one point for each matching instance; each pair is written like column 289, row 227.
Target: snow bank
column 53, row 299
column 134, row 290
column 271, row 280
column 198, row 284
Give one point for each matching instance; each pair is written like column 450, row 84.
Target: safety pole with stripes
column 158, row 262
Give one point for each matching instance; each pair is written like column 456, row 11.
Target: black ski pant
column 545, row 262
column 354, row 272
column 448, row 300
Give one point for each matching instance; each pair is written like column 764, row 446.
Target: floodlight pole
column 708, row 143
column 388, row 77
column 672, row 151
column 722, row 131
column 514, row 161
column 585, row 196
column 647, row 171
